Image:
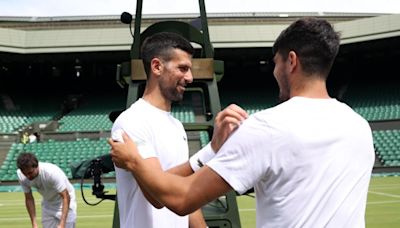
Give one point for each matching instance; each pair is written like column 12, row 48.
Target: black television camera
column 94, row 168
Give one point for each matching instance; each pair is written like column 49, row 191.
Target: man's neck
column 311, row 89
column 157, row 101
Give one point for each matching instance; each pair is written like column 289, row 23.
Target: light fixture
column 78, row 68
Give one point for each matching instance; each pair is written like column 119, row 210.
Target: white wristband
column 201, row 157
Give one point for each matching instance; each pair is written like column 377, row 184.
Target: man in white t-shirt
column 309, row 159
column 162, row 140
column 58, row 194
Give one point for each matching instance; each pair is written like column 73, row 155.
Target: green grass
column 13, row 213
column 383, row 208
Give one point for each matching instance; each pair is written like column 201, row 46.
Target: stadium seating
column 27, row 110
column 61, row 153
column 85, row 122
column 93, row 118
column 97, row 120
column 183, row 113
column 12, row 122
column 377, row 102
column 387, row 146
column 92, row 114
column 251, row 100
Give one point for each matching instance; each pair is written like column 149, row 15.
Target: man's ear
column 292, row 60
column 156, row 66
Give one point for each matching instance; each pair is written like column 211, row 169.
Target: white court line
column 384, row 202
column 392, row 186
column 247, row 209
column 384, row 194
column 385, row 185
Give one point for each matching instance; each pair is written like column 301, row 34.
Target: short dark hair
column 160, row 45
column 313, row 40
column 27, row 160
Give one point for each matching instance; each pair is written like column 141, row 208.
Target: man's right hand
column 124, row 154
column 226, row 121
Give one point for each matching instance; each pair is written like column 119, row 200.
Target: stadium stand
column 387, row 146
column 90, row 113
column 61, row 153
column 92, row 116
column 375, row 102
column 18, row 112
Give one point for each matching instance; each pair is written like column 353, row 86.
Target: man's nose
column 189, row 76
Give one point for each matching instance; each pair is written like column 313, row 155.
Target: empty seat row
column 387, row 146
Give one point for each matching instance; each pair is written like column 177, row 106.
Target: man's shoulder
column 21, row 176
column 48, row 164
column 135, row 112
column 139, row 114
column 50, row 168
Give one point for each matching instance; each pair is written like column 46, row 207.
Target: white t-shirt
column 157, row 134
column 50, row 181
column 32, row 138
column 309, row 160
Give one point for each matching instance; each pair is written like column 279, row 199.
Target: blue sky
column 116, row 7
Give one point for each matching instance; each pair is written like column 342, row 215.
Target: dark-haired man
column 167, row 60
column 58, row 194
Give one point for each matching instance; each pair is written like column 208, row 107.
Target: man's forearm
column 65, row 207
column 173, row 191
column 149, row 197
column 180, row 170
column 30, row 207
column 196, row 220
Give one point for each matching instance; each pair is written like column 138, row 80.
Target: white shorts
column 52, row 223
column 51, row 219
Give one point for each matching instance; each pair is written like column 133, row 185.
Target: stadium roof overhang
column 106, row 33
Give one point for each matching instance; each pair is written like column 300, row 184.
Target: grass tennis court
column 383, row 208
